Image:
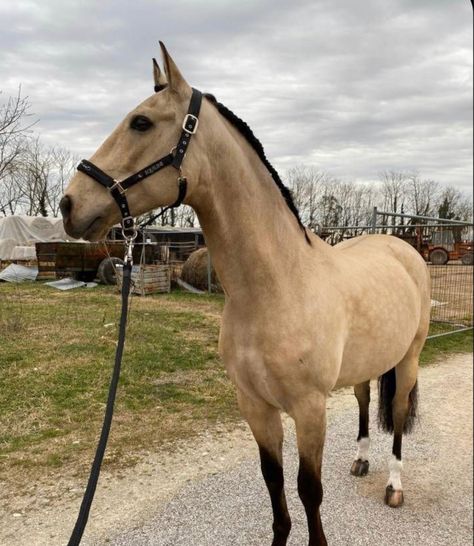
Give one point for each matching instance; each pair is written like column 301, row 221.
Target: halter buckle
column 190, row 124
column 117, row 185
column 128, row 223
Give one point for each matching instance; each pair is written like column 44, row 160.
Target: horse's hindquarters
column 388, row 306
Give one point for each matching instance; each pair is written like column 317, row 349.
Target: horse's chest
column 271, row 365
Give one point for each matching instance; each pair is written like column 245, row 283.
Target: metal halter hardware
column 118, row 188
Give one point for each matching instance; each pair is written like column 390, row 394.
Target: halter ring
column 117, row 185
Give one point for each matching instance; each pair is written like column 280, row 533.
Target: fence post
column 374, row 219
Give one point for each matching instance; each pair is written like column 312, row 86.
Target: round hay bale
column 194, row 271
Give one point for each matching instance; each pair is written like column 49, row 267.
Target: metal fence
column 451, row 298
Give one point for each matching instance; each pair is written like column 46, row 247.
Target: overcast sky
column 350, row 87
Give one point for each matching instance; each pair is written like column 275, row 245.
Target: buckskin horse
column 301, row 318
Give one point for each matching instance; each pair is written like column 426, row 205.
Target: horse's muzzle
column 65, row 206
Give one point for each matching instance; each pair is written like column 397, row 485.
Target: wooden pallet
column 148, row 279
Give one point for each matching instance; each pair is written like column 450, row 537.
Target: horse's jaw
column 92, row 231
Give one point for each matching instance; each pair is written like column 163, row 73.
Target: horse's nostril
column 65, row 206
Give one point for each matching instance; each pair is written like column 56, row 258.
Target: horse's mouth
column 95, row 231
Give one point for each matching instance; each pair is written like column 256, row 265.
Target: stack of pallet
column 46, row 254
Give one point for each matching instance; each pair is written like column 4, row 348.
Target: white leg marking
column 363, row 449
column 395, row 466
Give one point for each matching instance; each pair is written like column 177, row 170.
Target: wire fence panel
column 451, row 296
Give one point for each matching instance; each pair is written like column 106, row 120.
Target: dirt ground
column 124, row 501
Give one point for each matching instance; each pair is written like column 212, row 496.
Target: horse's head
column 147, row 133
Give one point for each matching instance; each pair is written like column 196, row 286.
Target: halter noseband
column 118, row 188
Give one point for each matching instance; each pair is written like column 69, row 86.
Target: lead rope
column 83, row 515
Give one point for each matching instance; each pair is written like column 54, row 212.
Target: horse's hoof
column 360, row 468
column 393, row 497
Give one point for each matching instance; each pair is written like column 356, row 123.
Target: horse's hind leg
column 401, row 383
column 265, row 423
column 360, row 466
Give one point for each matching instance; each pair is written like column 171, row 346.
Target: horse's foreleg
column 403, row 411
column 360, row 466
column 265, row 423
column 310, row 419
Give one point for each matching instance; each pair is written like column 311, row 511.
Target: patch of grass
column 440, row 347
column 56, row 357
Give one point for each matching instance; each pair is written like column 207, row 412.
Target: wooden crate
column 148, row 279
column 46, row 254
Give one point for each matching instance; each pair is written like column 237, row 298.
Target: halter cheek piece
column 118, row 188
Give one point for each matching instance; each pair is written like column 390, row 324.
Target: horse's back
column 377, row 247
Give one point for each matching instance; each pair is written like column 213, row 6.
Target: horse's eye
column 141, row 123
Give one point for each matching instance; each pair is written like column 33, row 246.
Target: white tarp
column 25, row 231
column 23, row 253
column 68, row 284
column 18, row 273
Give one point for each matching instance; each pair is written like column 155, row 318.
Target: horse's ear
column 176, row 81
column 158, row 76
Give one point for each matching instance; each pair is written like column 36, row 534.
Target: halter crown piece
column 118, row 188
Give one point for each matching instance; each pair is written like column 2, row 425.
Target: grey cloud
column 346, row 86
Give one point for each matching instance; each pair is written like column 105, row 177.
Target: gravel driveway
column 231, row 507
column 209, row 492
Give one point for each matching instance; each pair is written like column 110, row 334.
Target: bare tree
column 308, row 185
column 62, row 167
column 33, row 175
column 39, row 179
column 324, row 201
column 186, row 217
column 183, row 216
column 357, row 202
column 10, row 195
column 454, row 205
column 393, row 190
column 15, row 122
column 14, row 125
column 422, row 195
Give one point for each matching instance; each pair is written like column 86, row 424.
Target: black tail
column 387, row 387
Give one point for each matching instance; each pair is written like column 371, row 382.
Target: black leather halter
column 118, row 188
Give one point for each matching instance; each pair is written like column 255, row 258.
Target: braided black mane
column 247, row 133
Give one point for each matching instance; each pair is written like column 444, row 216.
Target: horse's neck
column 253, row 238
